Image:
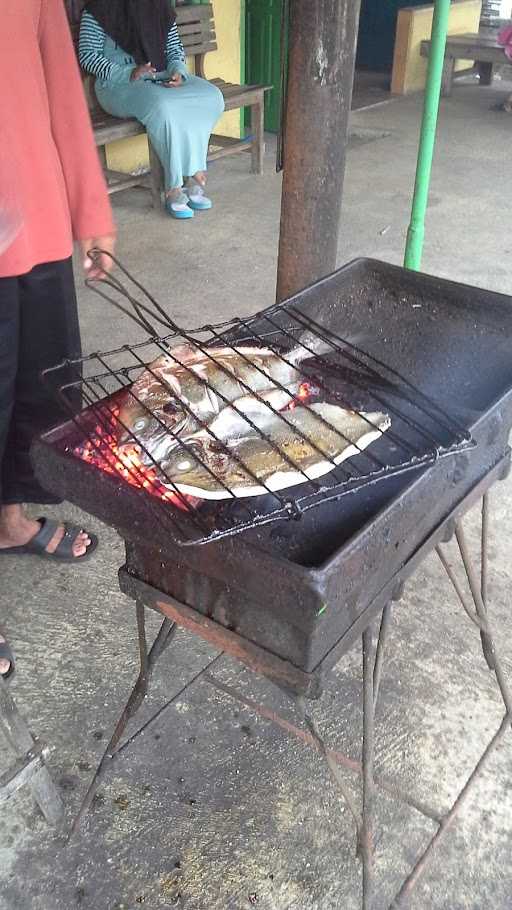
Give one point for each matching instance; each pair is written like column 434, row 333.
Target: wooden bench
column 197, row 31
column 482, row 48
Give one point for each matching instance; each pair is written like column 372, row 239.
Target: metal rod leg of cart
column 405, row 892
column 332, row 765
column 147, row 664
column 364, row 823
column 481, row 619
column 380, row 651
column 484, row 573
column 372, row 673
column 367, row 833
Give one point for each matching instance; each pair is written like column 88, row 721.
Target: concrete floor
column 213, row 808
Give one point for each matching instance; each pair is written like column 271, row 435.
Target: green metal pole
column 416, row 232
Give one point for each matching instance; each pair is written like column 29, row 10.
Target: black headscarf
column 139, row 27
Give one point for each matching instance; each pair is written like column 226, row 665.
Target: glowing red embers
column 103, row 451
column 305, row 392
column 125, row 461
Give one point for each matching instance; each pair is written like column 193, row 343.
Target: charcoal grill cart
column 434, row 356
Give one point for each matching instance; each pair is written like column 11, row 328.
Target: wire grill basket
column 267, row 417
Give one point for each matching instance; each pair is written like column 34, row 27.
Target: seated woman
column 126, row 45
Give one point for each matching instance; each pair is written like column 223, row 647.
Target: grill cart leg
column 480, row 617
column 476, row 609
column 379, row 653
column 364, row 822
column 147, row 664
column 367, row 833
column 372, row 672
column 30, row 767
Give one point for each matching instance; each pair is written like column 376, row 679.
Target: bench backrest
column 197, row 32
column 195, row 23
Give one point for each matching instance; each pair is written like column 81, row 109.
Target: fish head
column 199, row 464
column 153, row 432
column 152, row 400
column 184, row 461
column 136, row 423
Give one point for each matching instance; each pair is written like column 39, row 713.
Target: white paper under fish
column 218, row 424
column 301, row 444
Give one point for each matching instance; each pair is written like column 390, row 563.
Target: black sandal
column 63, row 553
column 6, row 654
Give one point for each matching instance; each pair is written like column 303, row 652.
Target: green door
column 263, row 53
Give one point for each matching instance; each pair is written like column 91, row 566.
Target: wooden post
column 322, row 46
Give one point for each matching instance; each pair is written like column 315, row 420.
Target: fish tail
column 312, row 345
column 309, row 345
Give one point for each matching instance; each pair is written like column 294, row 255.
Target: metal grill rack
column 332, row 370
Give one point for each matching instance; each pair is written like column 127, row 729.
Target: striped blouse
column 93, row 60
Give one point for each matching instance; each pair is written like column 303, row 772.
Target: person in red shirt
column 52, row 193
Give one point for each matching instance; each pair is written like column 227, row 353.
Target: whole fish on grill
column 192, row 382
column 277, row 452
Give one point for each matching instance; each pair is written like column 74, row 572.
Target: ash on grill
column 324, row 414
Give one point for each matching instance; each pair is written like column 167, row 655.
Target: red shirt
column 50, row 175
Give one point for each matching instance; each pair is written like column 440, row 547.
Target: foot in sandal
column 7, row 665
column 197, row 198
column 176, row 203
column 20, row 535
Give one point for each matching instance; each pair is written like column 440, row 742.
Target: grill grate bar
column 218, row 441
column 319, row 358
column 133, row 469
column 283, row 388
column 408, row 449
column 162, row 317
column 183, row 443
column 430, row 407
column 204, row 349
column 377, row 378
column 161, row 514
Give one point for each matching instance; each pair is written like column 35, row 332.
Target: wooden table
column 483, row 48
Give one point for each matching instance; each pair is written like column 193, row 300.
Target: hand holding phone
column 142, row 72
column 165, row 80
column 175, row 80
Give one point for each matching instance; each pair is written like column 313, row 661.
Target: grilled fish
column 279, row 451
column 190, row 383
column 235, row 420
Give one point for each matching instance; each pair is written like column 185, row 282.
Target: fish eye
column 140, row 424
column 184, row 465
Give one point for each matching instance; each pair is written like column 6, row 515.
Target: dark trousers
column 38, row 329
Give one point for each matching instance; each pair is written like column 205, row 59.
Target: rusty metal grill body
column 345, row 561
column 336, row 566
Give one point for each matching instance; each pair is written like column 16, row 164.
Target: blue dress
column 179, row 121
